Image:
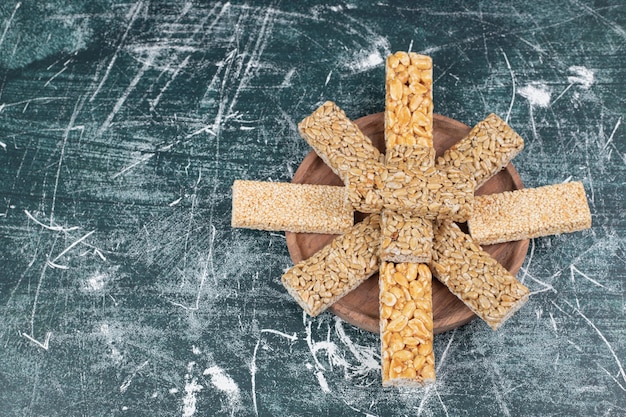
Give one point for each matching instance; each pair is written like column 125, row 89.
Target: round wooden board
column 360, row 307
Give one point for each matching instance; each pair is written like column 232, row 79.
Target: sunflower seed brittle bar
column 351, row 155
column 474, row 276
column 336, row 269
column 407, row 237
column 434, row 194
column 487, row 149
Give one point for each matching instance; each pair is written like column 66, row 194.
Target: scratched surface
column 123, row 289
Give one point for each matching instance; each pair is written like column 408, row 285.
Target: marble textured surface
column 123, row 289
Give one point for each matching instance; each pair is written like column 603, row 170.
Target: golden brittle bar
column 406, row 324
column 530, row 213
column 408, row 100
column 339, row 267
column 342, row 146
column 476, row 278
column 406, row 315
column 488, row 148
column 298, row 208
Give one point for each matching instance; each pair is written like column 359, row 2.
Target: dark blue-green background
column 123, row 288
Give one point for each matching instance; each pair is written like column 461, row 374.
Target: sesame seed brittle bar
column 298, row 208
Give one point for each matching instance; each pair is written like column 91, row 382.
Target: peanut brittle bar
column 406, row 315
column 406, row 324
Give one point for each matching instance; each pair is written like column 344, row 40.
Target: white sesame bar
column 298, row 208
column 487, row 148
column 336, row 269
column 530, row 213
column 406, row 324
column 474, row 276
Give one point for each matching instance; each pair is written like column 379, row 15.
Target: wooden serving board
column 360, row 307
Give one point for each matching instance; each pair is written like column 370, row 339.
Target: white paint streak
column 253, row 62
column 182, row 65
column 562, row 93
column 61, row 71
column 76, row 242
column 538, row 95
column 587, row 277
column 134, row 12
column 528, row 261
column 129, row 380
column 191, row 389
column 608, row 345
column 430, row 387
column 329, row 347
column 175, row 202
column 330, row 73
column 44, row 345
column 367, row 358
column 224, row 383
column 253, row 367
column 56, row 266
column 27, row 103
column 367, row 62
column 253, row 371
column 68, row 129
column 610, row 139
column 508, row 65
column 553, row 322
column 292, row 337
column 445, row 409
column 546, row 286
column 96, row 282
column 122, row 99
column 133, row 165
column 582, row 76
column 322, row 381
column 6, row 27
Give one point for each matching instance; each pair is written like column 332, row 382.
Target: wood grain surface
column 361, row 307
